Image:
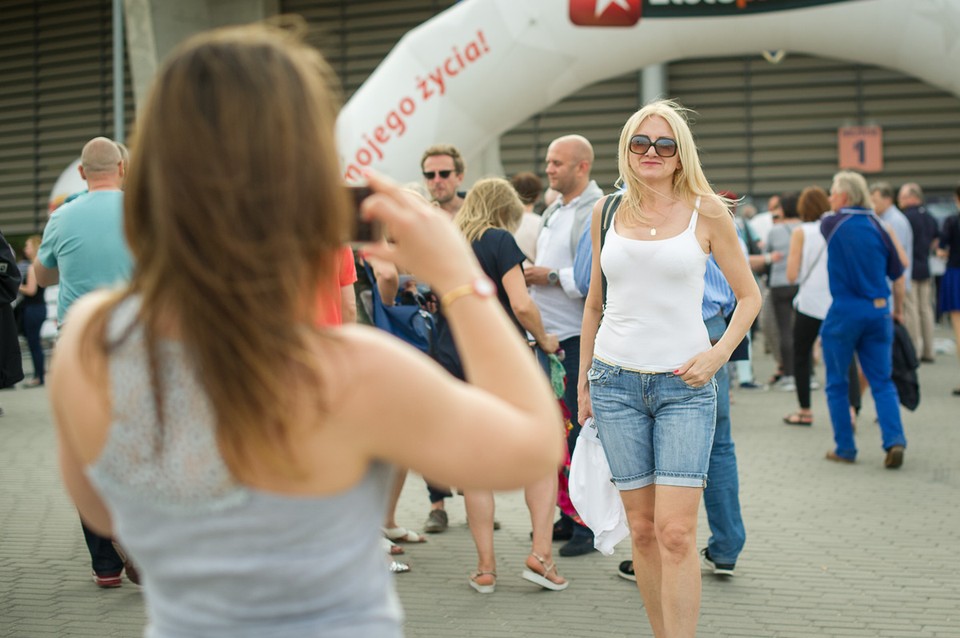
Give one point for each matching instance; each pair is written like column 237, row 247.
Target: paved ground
column 832, row 550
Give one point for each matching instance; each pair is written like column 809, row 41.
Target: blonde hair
column 689, row 182
column 491, row 203
column 234, row 211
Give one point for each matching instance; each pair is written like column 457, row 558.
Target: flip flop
column 798, row 419
column 403, row 535
column 483, row 589
column 392, row 548
column 541, row 579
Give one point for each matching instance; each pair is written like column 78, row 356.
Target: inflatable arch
column 481, row 67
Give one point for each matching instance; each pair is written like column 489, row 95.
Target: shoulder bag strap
column 606, row 218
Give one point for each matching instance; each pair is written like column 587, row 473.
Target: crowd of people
column 233, row 393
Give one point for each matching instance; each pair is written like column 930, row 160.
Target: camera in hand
column 363, row 231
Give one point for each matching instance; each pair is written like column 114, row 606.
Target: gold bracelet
column 481, row 286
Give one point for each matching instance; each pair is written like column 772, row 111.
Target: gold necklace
column 653, row 230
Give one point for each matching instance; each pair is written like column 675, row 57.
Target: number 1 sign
column 861, row 148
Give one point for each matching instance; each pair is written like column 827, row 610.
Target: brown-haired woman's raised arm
column 498, row 432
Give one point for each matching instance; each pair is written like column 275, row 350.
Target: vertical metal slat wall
column 57, row 92
column 766, row 128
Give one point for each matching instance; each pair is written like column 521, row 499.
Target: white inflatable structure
column 483, row 66
column 69, row 183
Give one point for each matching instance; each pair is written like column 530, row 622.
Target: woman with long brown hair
column 240, row 453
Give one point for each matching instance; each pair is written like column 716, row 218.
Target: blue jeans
column 721, row 498
column 33, row 317
column 655, row 429
column 850, row 328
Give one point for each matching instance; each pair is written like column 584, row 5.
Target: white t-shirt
column 560, row 306
column 526, row 235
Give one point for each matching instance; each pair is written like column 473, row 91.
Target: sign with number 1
column 861, row 148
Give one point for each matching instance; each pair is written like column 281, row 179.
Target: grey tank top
column 219, row 559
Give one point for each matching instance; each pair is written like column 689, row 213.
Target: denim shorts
column 655, row 429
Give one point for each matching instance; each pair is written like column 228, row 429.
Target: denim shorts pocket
column 598, row 376
column 691, row 387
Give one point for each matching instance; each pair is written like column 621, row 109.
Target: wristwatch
column 553, row 278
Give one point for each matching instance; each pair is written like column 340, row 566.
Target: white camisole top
column 652, row 320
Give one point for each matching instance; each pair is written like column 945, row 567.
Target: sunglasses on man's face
column 431, row 175
column 663, row 146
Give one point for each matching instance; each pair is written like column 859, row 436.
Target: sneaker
column 814, row 384
column 580, row 544
column 436, row 522
column 719, row 569
column 750, row 385
column 785, row 384
column 625, row 570
column 108, row 581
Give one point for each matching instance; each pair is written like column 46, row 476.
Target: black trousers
column 805, row 331
column 105, row 559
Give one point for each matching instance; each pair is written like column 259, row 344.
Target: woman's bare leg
column 675, row 520
column 640, row 506
column 399, row 479
column 541, row 500
column 480, row 506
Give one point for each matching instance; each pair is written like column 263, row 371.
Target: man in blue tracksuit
column 862, row 255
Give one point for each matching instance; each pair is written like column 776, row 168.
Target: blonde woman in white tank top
column 647, row 371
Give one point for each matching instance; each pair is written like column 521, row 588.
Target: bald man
column 553, row 286
column 83, row 249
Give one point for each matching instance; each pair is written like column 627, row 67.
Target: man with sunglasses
column 442, row 168
column 554, row 289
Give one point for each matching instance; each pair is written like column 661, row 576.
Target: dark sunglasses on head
column 662, row 146
column 432, row 174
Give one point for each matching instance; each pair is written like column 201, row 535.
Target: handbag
column 407, row 319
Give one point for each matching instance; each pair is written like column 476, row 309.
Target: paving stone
column 832, row 551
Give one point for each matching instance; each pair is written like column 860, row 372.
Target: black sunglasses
column 663, row 146
column 430, row 175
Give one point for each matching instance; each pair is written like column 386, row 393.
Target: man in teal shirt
column 83, row 246
column 83, row 249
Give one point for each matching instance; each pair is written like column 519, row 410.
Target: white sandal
column 483, row 589
column 541, row 579
column 403, row 535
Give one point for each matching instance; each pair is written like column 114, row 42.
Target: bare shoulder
column 712, row 208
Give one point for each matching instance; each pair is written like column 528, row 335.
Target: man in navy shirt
column 862, row 254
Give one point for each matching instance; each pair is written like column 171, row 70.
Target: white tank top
column 652, row 320
column 813, row 298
